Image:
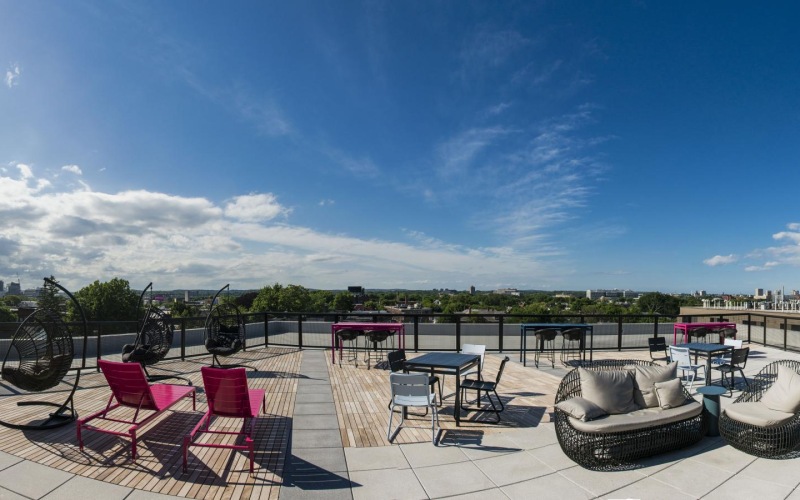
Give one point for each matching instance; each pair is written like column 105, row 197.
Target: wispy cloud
column 767, row 266
column 75, row 169
column 488, row 49
column 359, row 167
column 80, row 235
column 719, row 260
column 12, row 75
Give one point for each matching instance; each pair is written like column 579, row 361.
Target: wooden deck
column 360, row 396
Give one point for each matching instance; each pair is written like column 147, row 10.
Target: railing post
column 500, row 333
column 458, row 333
column 749, row 325
column 785, row 332
column 183, row 339
column 619, row 333
column 416, row 333
column 300, row 331
column 99, row 349
column 266, row 329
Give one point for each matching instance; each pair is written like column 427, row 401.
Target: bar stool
column 699, row 333
column 570, row 337
column 545, row 344
column 349, row 336
column 726, row 333
column 378, row 339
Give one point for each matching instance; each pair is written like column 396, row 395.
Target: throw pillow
column 784, row 395
column 581, row 408
column 645, row 379
column 670, row 394
column 611, row 390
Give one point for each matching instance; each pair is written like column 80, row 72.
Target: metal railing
column 500, row 332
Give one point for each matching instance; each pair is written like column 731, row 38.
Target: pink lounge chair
column 129, row 387
column 228, row 396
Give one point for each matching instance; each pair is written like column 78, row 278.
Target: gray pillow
column 645, row 379
column 611, row 390
column 784, row 395
column 581, row 408
column 670, row 394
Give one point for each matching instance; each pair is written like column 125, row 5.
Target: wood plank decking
column 360, row 396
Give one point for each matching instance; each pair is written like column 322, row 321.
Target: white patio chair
column 725, row 358
column 412, row 389
column 681, row 355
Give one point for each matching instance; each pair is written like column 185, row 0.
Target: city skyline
column 537, row 146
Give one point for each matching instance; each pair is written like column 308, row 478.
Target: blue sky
column 537, row 145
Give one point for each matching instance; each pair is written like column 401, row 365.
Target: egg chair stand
column 224, row 332
column 153, row 341
column 43, row 344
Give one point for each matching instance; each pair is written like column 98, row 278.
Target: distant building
column 762, row 294
column 507, row 291
column 2, row 287
column 472, row 290
column 14, row 288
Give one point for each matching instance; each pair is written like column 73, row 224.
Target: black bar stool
column 546, row 345
column 572, row 344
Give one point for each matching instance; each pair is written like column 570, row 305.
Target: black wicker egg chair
column 153, row 340
column 38, row 359
column 224, row 332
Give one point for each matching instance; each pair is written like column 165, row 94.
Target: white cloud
column 326, row 202
column 73, row 169
column 255, row 208
column 12, row 75
column 359, row 167
column 767, row 266
column 718, row 260
column 79, row 236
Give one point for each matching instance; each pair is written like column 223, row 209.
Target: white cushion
column 670, row 394
column 784, row 395
column 581, row 408
column 611, row 390
column 756, row 413
column 644, row 380
column 639, row 419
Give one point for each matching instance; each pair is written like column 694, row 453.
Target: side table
column 711, row 406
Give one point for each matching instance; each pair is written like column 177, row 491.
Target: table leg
column 457, row 410
column 708, row 371
column 712, row 408
column 333, row 347
column 523, row 345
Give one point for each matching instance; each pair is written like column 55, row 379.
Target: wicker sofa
column 765, row 419
column 613, row 441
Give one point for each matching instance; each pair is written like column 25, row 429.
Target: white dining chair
column 412, row 389
column 684, row 360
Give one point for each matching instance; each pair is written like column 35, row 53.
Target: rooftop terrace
column 325, row 435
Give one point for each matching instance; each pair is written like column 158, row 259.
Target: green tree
column 658, row 303
column 343, row 302
column 12, row 300
column 277, row 298
column 48, row 297
column 110, row 301
column 245, row 301
column 321, row 300
column 6, row 316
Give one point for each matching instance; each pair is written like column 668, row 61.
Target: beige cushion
column 581, row 408
column 645, row 379
column 756, row 413
column 611, row 390
column 670, row 394
column 639, row 419
column 784, row 395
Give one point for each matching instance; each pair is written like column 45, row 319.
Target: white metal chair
column 474, row 349
column 412, row 389
column 725, row 358
column 681, row 355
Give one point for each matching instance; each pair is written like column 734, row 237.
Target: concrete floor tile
column 386, row 483
column 513, row 468
column 7, row 460
column 32, row 480
column 315, row 422
column 693, row 477
column 315, row 389
column 554, row 486
column 724, row 457
column 325, row 438
column 81, row 488
column 600, row 482
column 378, row 457
column 10, row 495
column 321, row 397
column 314, row 409
column 650, row 489
column 423, row 455
column 553, row 456
column 783, row 472
column 328, row 459
column 453, row 479
column 740, row 486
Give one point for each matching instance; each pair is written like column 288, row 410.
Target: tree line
column 114, row 300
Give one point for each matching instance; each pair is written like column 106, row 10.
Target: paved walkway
column 520, row 463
